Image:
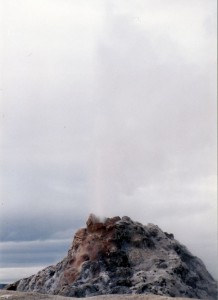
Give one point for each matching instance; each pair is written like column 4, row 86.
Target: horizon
column 107, row 107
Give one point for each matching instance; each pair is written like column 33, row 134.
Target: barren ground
column 11, row 295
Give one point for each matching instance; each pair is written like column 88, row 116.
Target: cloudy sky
column 106, row 107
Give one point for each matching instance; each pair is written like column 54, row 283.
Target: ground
column 11, row 295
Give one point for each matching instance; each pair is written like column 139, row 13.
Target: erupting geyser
column 120, row 256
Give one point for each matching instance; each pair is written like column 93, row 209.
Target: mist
column 109, row 108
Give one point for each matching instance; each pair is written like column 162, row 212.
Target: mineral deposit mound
column 120, row 256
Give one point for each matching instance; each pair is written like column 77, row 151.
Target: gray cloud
column 108, row 108
column 29, row 254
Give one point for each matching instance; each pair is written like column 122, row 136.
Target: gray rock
column 120, row 256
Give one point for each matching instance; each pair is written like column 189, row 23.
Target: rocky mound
column 120, row 256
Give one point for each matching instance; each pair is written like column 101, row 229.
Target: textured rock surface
column 119, row 256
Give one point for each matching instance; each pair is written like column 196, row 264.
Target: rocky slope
column 120, row 256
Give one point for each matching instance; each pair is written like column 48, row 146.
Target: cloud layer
column 110, row 108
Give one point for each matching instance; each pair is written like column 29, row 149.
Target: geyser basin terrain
column 15, row 295
column 120, row 256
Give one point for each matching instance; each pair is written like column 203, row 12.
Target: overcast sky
column 106, row 107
